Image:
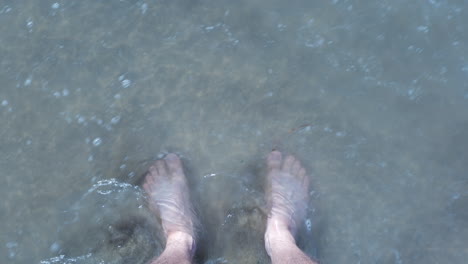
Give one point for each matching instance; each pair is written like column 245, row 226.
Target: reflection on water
column 372, row 96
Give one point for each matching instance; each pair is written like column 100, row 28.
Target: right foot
column 287, row 194
column 166, row 186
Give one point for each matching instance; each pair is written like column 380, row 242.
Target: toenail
column 171, row 156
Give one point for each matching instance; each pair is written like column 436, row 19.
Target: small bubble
column 126, row 83
column 11, row 244
column 5, row 9
column 144, row 8
column 29, row 24
column 123, row 166
column 4, row 103
column 27, row 82
column 65, row 92
column 327, row 129
column 97, row 141
column 56, row 94
column 115, row 120
column 443, row 70
column 80, row 119
column 209, row 175
column 55, row 5
column 90, row 158
column 316, row 42
column 281, row 27
column 117, row 96
column 340, row 134
column 54, row 247
column 423, row 29
column 308, row 224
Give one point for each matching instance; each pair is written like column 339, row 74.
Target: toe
column 151, row 174
column 149, row 178
column 152, row 170
column 305, row 179
column 288, row 163
column 274, row 160
column 148, row 185
column 161, row 167
column 150, row 182
column 306, row 185
column 296, row 167
column 301, row 174
column 174, row 165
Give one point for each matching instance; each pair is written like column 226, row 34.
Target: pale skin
column 286, row 191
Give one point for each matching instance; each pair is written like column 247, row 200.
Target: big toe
column 161, row 168
column 174, row 165
column 274, row 160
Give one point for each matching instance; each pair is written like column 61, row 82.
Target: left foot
column 166, row 186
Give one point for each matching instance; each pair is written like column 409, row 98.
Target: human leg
column 168, row 194
column 287, row 194
column 178, row 250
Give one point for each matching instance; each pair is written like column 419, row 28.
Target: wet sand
column 371, row 96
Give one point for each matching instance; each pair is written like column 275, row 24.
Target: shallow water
column 372, row 96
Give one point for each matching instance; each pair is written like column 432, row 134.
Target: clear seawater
column 371, row 95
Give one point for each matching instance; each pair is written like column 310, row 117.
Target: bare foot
column 166, row 186
column 287, row 195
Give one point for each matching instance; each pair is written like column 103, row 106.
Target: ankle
column 277, row 235
column 281, row 224
column 181, row 241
